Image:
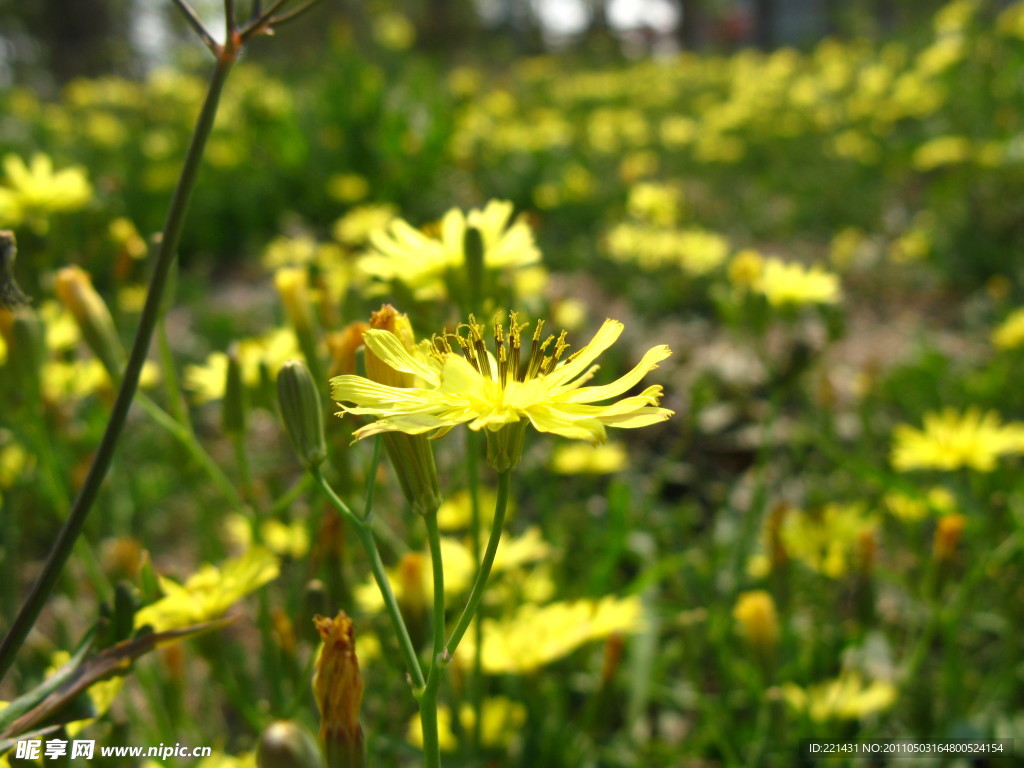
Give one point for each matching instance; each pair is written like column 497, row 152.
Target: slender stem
column 377, row 566
column 476, row 688
column 477, row 593
column 175, row 401
column 197, row 25
column 428, row 700
column 244, row 466
column 277, row 21
column 166, row 253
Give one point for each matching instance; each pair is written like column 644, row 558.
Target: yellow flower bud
column 343, row 345
column 75, row 291
column 759, row 623
column 948, row 533
column 302, row 412
column 338, row 688
column 411, row 455
column 387, row 318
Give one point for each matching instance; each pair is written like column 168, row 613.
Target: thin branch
column 196, row 24
column 229, row 19
column 292, row 14
column 257, row 9
column 257, row 24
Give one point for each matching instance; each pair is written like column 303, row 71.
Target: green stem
column 428, row 699
column 167, row 251
column 477, row 593
column 244, row 467
column 476, row 688
column 175, row 401
column 377, row 566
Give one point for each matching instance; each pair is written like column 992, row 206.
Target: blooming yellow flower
column 209, row 592
column 950, row 440
column 845, row 698
column 1010, row 333
column 489, row 394
column 790, row 284
column 420, row 261
column 538, row 635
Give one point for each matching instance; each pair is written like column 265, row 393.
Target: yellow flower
column 538, row 635
column 791, row 284
column 758, row 620
column 420, row 261
column 828, row 540
column 209, row 592
column 357, row 226
column 283, row 539
column 576, row 459
column 951, row 441
column 745, row 268
column 1010, row 333
column 34, row 190
column 502, row 718
column 845, row 698
column 489, row 394
column 942, row 150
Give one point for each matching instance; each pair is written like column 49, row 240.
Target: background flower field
column 824, row 541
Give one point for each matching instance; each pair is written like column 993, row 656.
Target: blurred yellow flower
column 348, row 187
column 502, row 719
column 420, row 261
column 578, row 459
column 491, row 394
column 791, row 284
column 828, row 540
column 951, row 440
column 845, row 698
column 1010, row 333
column 356, row 226
column 745, row 268
column 757, row 618
column 938, row 500
column 35, row 190
column 283, row 539
column 535, row 636
column 209, row 592
column 943, row 150
column 206, row 381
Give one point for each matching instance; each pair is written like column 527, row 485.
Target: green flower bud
column 236, row 396
column 75, row 291
column 286, row 744
column 26, row 353
column 302, row 412
column 505, row 446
